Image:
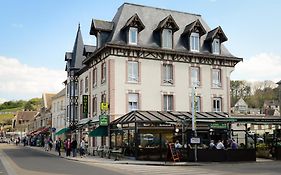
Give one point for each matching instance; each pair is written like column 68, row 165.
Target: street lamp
column 194, row 119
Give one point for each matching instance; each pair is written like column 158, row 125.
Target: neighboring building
column 241, row 107
column 42, row 122
column 271, row 107
column 58, row 112
column 148, row 58
column 21, row 120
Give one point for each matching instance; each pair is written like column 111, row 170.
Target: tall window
column 133, row 35
column 167, row 73
column 76, row 88
column 103, row 98
column 168, row 102
column 167, row 38
column 216, row 46
column 86, row 84
column 216, row 78
column 133, row 99
column 133, row 71
column 95, row 105
column 81, row 87
column 195, row 76
column 103, row 72
column 197, row 103
column 95, row 77
column 194, row 42
column 217, row 104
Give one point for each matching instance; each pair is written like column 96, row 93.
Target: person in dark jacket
column 58, row 146
column 74, row 147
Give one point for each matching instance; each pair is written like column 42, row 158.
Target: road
column 23, row 161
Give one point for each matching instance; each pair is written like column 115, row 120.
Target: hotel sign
column 85, row 104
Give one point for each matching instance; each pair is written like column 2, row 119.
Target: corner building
column 149, row 59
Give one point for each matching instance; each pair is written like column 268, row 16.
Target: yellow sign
column 104, row 106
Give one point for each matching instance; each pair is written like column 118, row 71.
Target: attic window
column 133, row 35
column 167, row 39
column 194, row 42
column 216, row 46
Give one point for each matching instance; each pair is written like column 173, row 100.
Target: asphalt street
column 23, row 161
column 27, row 161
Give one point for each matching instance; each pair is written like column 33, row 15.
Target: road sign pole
column 194, row 121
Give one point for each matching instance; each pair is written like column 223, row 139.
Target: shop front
column 144, row 135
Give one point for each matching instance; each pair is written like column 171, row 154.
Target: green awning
column 99, row 132
column 62, row 131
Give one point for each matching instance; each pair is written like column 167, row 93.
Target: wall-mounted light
column 177, row 130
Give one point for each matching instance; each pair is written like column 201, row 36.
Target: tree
column 33, row 104
column 239, row 89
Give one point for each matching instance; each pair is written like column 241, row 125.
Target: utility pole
column 194, row 121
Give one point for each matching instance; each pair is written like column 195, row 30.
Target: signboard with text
column 103, row 120
column 85, row 104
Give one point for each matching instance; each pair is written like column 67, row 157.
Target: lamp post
column 194, row 120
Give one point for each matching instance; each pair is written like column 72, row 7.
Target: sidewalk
column 97, row 159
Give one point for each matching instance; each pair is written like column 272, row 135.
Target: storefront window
column 149, row 140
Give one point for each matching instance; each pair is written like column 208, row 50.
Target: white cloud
column 20, row 81
column 261, row 67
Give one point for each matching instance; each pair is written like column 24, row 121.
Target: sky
column 35, row 35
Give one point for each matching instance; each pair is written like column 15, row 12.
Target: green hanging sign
column 103, row 120
column 218, row 126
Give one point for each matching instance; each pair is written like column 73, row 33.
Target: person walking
column 68, row 147
column 74, row 147
column 220, row 145
column 82, row 147
column 58, row 146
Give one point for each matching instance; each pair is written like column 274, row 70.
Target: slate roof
column 26, row 115
column 151, row 17
column 279, row 82
column 89, row 49
column 59, row 94
column 100, row 25
column 75, row 58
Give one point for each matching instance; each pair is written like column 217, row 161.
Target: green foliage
column 6, row 118
column 239, row 89
column 33, row 104
column 12, row 104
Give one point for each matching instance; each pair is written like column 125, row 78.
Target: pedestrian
column 68, row 147
column 212, row 145
column 46, row 144
column 50, row 143
column 220, row 145
column 82, row 147
column 177, row 144
column 58, row 146
column 234, row 145
column 74, row 147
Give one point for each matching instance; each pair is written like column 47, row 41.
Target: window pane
column 168, row 102
column 194, row 42
column 133, row 34
column 216, row 46
column 168, row 73
column 133, row 101
column 216, row 79
column 133, row 71
column 167, row 38
column 195, row 76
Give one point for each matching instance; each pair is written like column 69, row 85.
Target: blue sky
column 36, row 34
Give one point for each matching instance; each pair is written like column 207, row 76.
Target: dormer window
column 215, row 38
column 133, row 35
column 216, row 46
column 192, row 34
column 194, row 42
column 132, row 27
column 166, row 29
column 167, row 39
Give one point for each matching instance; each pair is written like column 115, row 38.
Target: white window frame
column 216, row 46
column 194, row 42
column 167, row 39
column 103, row 72
column 195, row 79
column 95, row 77
column 217, row 104
column 133, row 71
column 133, row 34
column 168, row 103
column 86, row 84
column 168, row 77
column 133, row 102
column 216, row 78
